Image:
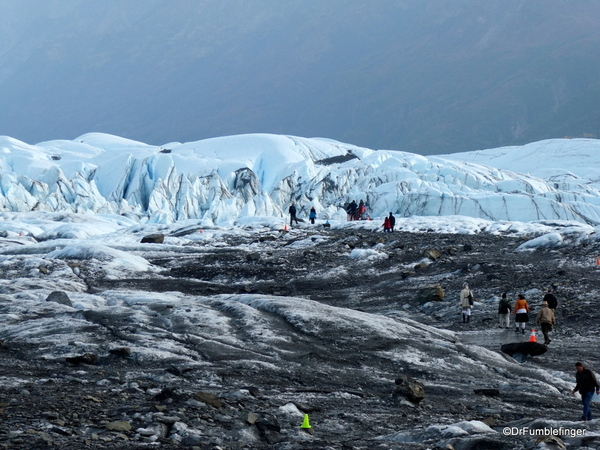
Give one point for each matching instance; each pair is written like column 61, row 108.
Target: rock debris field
column 234, row 342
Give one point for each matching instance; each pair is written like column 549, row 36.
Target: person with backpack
column 521, row 311
column 546, row 319
column 504, row 308
column 466, row 303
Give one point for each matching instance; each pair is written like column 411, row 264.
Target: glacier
column 221, row 180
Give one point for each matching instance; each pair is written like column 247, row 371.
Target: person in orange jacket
column 521, row 311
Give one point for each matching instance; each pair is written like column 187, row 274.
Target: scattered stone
column 555, row 442
column 251, row 418
column 432, row 254
column 269, row 237
column 118, row 426
column 253, row 257
column 491, row 392
column 87, row 358
column 192, row 440
column 433, row 293
column 153, row 239
column 44, row 270
column 209, row 399
column 166, row 393
column 409, row 388
column 59, row 297
column 177, row 371
column 254, row 391
column 269, row 429
column 123, row 352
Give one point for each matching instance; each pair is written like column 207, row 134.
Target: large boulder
column 59, row 297
column 153, row 239
column 524, row 348
column 410, row 389
column 433, row 293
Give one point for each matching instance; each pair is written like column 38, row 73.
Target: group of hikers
column 546, row 316
column 389, row 223
column 312, row 215
column 356, row 211
column 586, row 383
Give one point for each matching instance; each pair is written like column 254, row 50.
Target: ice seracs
column 224, row 179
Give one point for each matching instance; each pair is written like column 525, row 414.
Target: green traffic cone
column 305, row 422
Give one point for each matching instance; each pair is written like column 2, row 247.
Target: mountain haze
column 426, row 77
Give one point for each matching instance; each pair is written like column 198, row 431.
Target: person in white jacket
column 466, row 303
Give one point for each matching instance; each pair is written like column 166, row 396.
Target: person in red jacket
column 387, row 227
column 521, row 311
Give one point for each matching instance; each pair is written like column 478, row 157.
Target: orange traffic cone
column 285, row 227
column 598, row 260
column 532, row 337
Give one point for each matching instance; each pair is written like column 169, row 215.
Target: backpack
column 470, row 297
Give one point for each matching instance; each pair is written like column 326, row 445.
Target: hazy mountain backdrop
column 430, row 77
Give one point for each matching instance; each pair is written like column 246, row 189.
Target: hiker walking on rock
column 521, row 313
column 504, row 308
column 466, row 303
column 546, row 319
column 552, row 301
column 292, row 212
column 586, row 385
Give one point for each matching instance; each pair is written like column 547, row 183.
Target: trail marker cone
column 598, row 260
column 305, row 422
column 532, row 337
column 285, row 228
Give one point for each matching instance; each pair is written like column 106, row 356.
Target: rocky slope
column 229, row 345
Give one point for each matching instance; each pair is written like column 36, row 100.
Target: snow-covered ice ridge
column 224, row 179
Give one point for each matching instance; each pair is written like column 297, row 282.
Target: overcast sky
column 432, row 76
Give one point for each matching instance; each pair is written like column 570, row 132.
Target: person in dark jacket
column 392, row 222
column 551, row 300
column 586, row 385
column 504, row 308
column 352, row 208
column 292, row 212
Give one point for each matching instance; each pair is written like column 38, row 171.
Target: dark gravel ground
column 68, row 406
